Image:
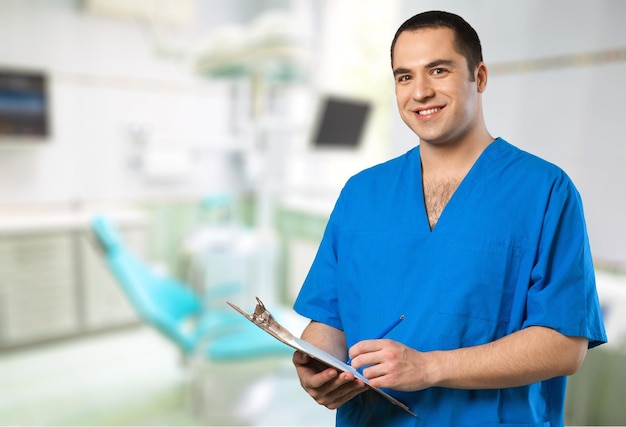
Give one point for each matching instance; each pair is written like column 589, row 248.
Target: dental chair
column 227, row 356
column 179, row 313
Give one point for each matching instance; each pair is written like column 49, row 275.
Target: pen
column 389, row 328
column 384, row 332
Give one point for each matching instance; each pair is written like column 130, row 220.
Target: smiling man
column 481, row 246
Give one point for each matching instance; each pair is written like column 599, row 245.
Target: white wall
column 571, row 116
column 107, row 82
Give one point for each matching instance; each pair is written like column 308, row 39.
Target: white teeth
column 429, row 111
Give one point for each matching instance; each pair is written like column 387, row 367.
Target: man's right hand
column 326, row 385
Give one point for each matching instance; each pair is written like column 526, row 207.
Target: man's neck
column 452, row 159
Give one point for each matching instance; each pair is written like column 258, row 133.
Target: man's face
column 435, row 93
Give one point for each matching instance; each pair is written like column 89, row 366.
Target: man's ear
column 481, row 77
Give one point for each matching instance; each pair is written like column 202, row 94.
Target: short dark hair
column 466, row 39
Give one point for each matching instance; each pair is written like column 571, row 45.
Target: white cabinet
column 54, row 282
column 38, row 288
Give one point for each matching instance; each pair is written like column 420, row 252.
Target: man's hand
column 390, row 364
column 326, row 385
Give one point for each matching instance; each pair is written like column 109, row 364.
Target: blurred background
column 159, row 157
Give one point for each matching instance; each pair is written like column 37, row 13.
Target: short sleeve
column 317, row 299
column 562, row 293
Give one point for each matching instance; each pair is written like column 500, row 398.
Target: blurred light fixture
column 176, row 13
column 273, row 47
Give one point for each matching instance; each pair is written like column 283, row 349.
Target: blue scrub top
column 509, row 251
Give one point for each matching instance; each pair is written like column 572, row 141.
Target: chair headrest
column 106, row 233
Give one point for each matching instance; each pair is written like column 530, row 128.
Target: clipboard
column 264, row 320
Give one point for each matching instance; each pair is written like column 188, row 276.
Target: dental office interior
column 159, row 158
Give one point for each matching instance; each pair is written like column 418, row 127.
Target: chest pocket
column 479, row 279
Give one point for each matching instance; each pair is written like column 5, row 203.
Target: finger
column 365, row 347
column 374, row 371
column 300, row 358
column 321, row 381
column 365, row 359
column 369, row 352
column 328, row 382
column 339, row 394
column 344, row 394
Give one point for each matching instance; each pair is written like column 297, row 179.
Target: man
column 481, row 246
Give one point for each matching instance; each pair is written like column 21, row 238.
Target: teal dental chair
column 176, row 311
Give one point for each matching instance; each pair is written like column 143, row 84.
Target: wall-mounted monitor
column 24, row 106
column 341, row 122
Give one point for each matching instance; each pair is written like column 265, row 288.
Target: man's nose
column 422, row 88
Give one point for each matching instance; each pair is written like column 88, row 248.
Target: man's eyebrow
column 436, row 63
column 439, row 62
column 399, row 71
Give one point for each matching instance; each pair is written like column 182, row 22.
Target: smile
column 428, row 111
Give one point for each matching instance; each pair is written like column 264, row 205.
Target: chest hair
column 437, row 194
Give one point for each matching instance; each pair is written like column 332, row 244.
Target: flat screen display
column 23, row 105
column 341, row 122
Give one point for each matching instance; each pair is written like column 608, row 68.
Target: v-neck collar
column 457, row 197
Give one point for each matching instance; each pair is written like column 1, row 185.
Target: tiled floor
column 135, row 377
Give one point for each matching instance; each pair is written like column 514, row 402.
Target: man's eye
column 438, row 71
column 404, row 78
